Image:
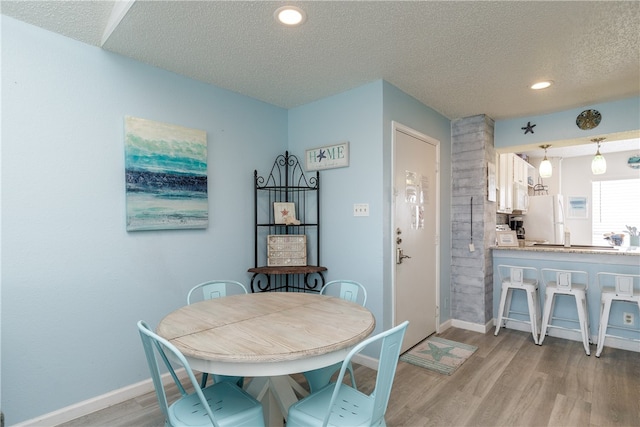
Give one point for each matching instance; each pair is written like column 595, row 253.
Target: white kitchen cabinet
column 520, row 184
column 505, row 184
column 520, row 170
column 513, row 173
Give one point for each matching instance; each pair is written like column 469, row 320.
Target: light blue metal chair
column 338, row 404
column 346, row 289
column 221, row 404
column 215, row 289
column 211, row 290
column 349, row 290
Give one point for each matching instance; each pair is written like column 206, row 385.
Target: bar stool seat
column 616, row 287
column 563, row 282
column 517, row 278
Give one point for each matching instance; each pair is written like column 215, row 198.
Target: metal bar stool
column 620, row 288
column 561, row 282
column 525, row 279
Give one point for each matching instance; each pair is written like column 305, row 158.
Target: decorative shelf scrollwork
column 286, row 184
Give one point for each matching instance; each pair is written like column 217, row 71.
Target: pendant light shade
column 598, row 164
column 545, row 169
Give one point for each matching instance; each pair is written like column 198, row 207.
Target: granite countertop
column 578, row 249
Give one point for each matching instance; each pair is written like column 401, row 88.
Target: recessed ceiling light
column 290, row 16
column 541, row 85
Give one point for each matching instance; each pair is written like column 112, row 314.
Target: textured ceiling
column 460, row 58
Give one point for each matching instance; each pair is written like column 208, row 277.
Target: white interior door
column 415, row 238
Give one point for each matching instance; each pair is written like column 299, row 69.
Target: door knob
column 400, row 256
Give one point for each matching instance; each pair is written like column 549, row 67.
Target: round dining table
column 267, row 336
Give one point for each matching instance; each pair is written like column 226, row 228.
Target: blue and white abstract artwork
column 578, row 207
column 166, row 176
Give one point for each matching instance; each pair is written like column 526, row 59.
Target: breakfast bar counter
column 633, row 251
column 592, row 259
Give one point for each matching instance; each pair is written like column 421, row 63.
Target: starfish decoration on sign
column 321, row 156
column 528, row 128
column 439, row 352
column 284, row 212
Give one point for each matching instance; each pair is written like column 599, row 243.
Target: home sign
column 328, row 157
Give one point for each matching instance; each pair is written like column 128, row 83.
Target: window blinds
column 615, row 204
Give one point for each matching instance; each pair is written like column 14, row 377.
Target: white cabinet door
column 513, row 174
column 505, row 183
column 520, row 196
column 519, row 170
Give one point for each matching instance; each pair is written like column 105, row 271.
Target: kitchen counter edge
column 624, row 251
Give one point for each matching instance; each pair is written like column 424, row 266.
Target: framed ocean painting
column 578, row 207
column 166, row 176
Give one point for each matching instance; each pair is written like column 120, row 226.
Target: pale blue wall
column 359, row 248
column 404, row 109
column 74, row 282
column 617, row 116
column 351, row 247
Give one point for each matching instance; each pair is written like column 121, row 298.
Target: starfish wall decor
column 528, row 128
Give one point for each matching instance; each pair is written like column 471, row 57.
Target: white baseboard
column 611, row 342
column 97, row 403
column 444, row 326
column 367, row 361
column 476, row 327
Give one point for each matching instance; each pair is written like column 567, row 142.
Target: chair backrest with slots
column 216, row 289
column 517, row 274
column 154, row 348
column 565, row 280
column 623, row 284
column 387, row 364
column 349, row 290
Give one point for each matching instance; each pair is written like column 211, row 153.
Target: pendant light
column 545, row 166
column 598, row 164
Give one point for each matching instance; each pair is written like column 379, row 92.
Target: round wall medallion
column 588, row 119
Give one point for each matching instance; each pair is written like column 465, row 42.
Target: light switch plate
column 361, row 209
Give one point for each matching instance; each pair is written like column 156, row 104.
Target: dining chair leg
column 503, row 301
column 605, row 309
column 297, row 387
column 533, row 318
column 584, row 322
column 546, row 317
column 205, row 377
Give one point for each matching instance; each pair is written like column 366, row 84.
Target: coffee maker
column 516, row 223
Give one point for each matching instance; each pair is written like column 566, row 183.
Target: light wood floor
column 509, row 381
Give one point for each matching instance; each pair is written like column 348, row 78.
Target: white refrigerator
column 544, row 219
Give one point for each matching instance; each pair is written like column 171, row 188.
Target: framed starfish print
column 283, row 211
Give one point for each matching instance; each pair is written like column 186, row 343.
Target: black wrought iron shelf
column 287, row 183
column 281, row 225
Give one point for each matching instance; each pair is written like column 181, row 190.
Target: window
column 616, row 204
